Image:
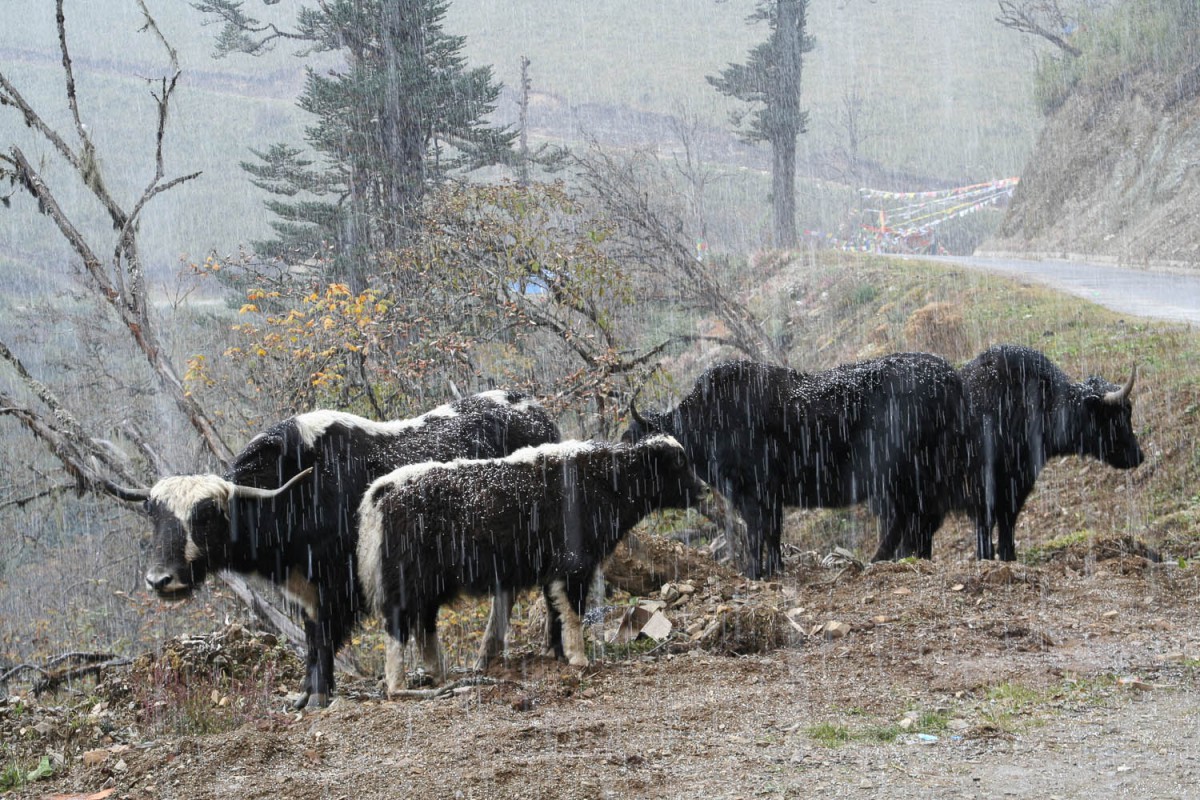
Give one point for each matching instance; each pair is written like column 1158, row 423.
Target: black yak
column 888, row 431
column 1024, row 411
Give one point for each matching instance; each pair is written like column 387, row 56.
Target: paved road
column 1173, row 296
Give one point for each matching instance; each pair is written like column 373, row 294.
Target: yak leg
column 984, row 516
column 593, row 596
column 429, row 649
column 917, row 536
column 763, row 554
column 492, row 645
column 929, row 526
column 1006, row 523
column 984, row 549
column 891, row 532
column 569, row 622
column 1006, row 547
column 552, row 642
column 320, row 644
column 393, row 666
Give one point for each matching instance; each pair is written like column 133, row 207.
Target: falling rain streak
column 710, row 391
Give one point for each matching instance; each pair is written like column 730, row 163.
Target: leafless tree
column 854, row 126
column 653, row 236
column 114, row 276
column 691, row 166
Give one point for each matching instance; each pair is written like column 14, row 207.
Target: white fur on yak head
column 190, row 514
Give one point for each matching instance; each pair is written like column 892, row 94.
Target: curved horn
column 254, row 493
column 1119, row 395
column 638, row 418
column 128, row 495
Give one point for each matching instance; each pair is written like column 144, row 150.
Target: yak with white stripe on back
column 546, row 516
column 302, row 535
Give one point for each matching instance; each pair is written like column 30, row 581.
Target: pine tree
column 770, row 79
column 403, row 113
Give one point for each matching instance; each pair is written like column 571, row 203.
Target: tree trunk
column 783, row 192
column 786, row 119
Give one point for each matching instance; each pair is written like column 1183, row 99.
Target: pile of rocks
column 718, row 614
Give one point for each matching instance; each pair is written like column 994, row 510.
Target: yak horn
column 254, row 493
column 122, row 493
column 638, row 418
column 1119, row 395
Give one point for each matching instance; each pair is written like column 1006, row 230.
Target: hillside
column 1114, row 174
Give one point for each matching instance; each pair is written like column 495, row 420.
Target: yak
column 1024, row 410
column 543, row 516
column 888, row 431
column 302, row 535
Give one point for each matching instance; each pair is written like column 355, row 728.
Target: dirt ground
column 944, row 679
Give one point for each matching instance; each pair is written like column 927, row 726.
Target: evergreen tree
column 770, row 79
column 402, row 113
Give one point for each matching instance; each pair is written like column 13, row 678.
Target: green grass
column 1040, row 553
column 15, row 775
column 829, row 734
column 1012, row 707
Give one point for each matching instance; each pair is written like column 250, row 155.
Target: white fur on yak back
column 526, row 455
column 370, row 515
column 371, row 523
column 313, row 425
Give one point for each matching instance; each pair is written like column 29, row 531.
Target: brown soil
column 955, row 679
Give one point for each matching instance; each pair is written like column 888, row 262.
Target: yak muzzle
column 167, row 585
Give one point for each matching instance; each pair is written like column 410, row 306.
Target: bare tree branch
column 66, row 450
column 152, row 26
column 131, row 307
column 1043, row 18
column 24, row 500
column 653, row 238
column 121, row 285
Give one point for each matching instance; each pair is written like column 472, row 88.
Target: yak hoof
column 303, row 700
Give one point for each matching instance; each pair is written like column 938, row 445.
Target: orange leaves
column 197, row 371
column 309, row 328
